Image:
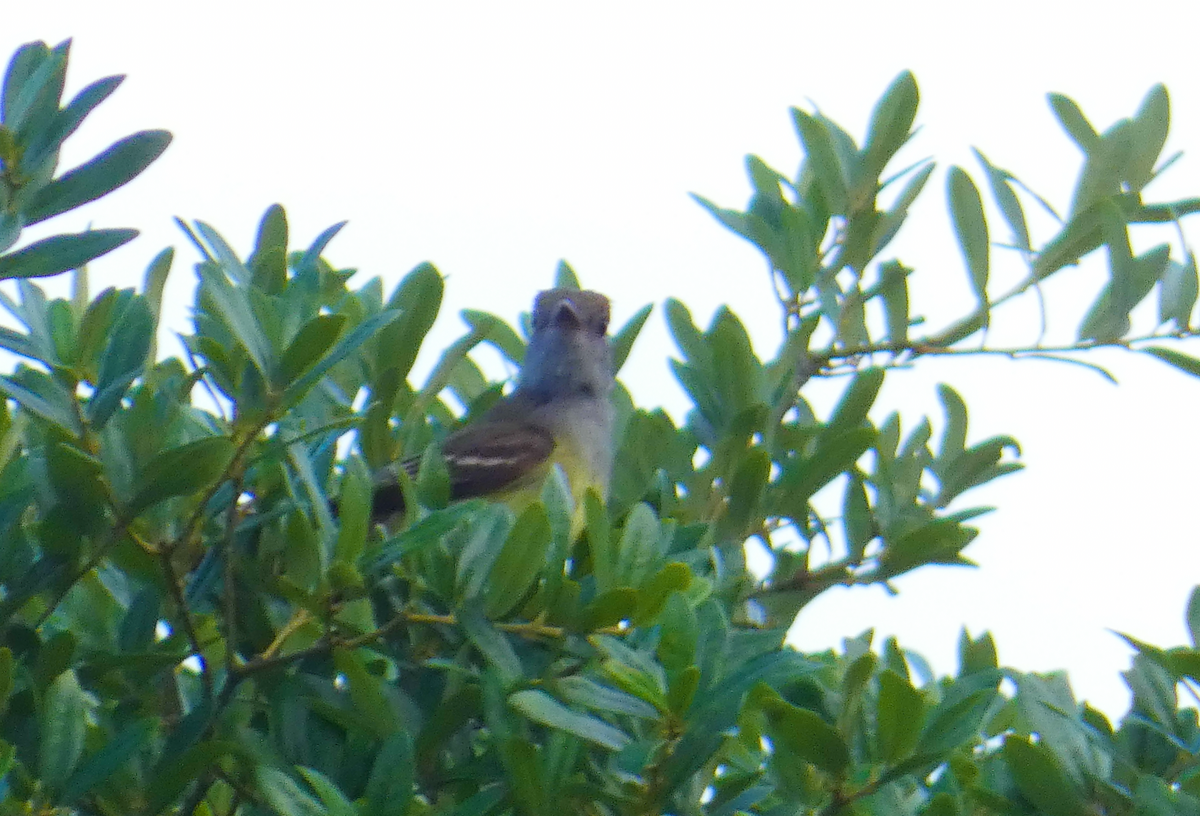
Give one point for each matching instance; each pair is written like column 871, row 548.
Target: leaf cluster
column 188, row 626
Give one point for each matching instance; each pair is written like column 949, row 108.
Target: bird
column 560, row 413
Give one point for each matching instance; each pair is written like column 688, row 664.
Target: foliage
column 188, row 627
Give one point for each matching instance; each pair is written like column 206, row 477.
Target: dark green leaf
column 236, row 311
column 63, row 725
column 181, row 471
column 123, row 359
column 1041, row 780
column 284, row 794
column 521, row 560
column 492, row 644
column 390, row 788
column 101, row 765
column 310, row 343
column 418, row 298
column 309, row 260
column 53, row 404
column 803, row 734
column 900, row 716
column 116, row 166
column 62, row 253
column 67, row 120
column 540, row 707
column 335, row 802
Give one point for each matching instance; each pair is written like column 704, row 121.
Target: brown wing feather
column 484, row 457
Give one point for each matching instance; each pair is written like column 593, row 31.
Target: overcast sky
column 495, row 139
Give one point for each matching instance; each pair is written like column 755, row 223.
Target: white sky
column 494, row 139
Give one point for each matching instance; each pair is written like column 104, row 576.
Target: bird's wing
column 489, row 457
column 482, row 458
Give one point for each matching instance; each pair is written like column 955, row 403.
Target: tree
column 187, row 627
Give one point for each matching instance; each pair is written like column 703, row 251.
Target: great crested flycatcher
column 559, row 414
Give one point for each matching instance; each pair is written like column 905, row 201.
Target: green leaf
column 308, row 260
column 354, row 513
column 900, row 716
column 21, row 68
column 970, row 227
column 1082, row 234
column 802, row 733
column 492, row 644
column 284, row 794
column 153, row 285
column 123, row 359
column 1185, row 363
column 78, row 481
column 187, row 469
column 639, row 549
column 105, row 762
column 1100, row 179
column 851, row 410
column 521, row 560
column 236, row 312
column 268, row 261
column 889, row 225
column 608, row 609
column 565, row 277
column 1041, row 779
column 62, row 253
column 1074, row 122
column 390, row 787
column 1148, row 134
column 857, row 520
column 368, row 693
column 819, row 154
column 418, row 298
column 622, row 341
column 310, row 343
column 937, row 542
column 1010, row 206
column 53, row 406
column 893, row 290
column 116, row 166
column 63, row 726
column 335, row 802
column 6, row 677
column 1177, row 293
column 890, row 127
column 540, row 707
column 67, row 120
column 36, row 98
column 955, row 721
column 587, row 693
column 1192, row 617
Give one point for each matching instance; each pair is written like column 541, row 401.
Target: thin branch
column 189, row 626
column 228, row 590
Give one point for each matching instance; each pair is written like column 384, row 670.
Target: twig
column 185, row 617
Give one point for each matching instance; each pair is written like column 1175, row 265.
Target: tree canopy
column 187, row 627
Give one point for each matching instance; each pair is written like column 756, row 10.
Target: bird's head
column 568, row 352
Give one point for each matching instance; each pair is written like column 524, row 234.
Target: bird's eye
column 603, row 327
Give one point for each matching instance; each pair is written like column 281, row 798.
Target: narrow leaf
column 62, row 253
